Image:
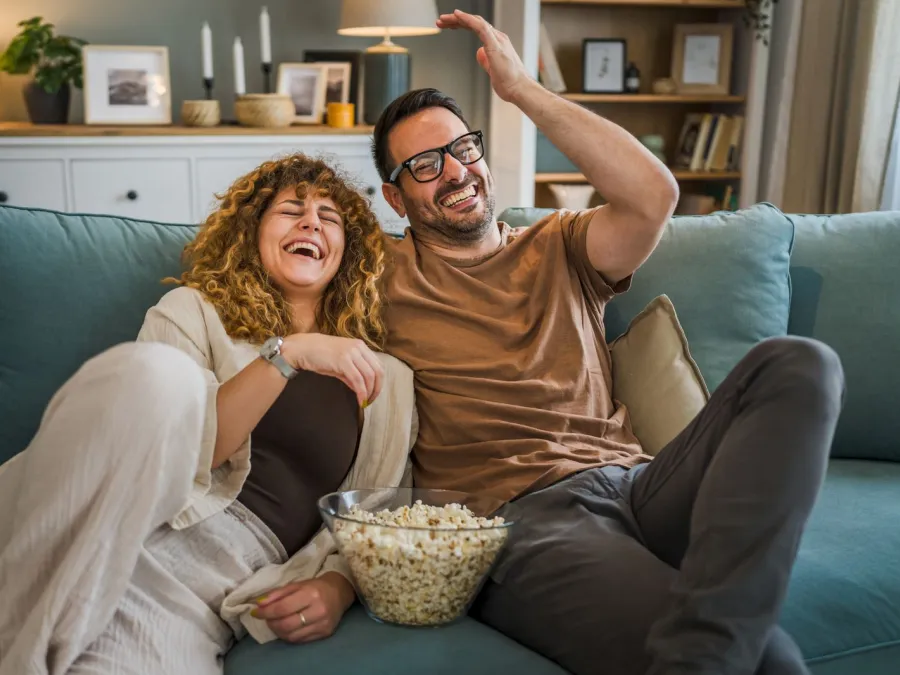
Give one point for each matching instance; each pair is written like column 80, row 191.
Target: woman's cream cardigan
column 184, row 319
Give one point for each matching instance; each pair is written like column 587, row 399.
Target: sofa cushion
column 73, row 285
column 655, row 377
column 843, row 602
column 361, row 645
column 846, row 281
column 727, row 273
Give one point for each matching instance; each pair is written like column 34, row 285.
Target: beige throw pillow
column 655, row 377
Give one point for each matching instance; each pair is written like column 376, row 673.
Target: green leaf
column 20, row 56
column 50, row 79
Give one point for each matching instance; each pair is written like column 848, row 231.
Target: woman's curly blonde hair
column 224, row 262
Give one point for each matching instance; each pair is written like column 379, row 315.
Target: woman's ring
column 302, row 619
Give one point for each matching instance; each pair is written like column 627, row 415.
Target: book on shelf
column 548, row 66
column 710, row 142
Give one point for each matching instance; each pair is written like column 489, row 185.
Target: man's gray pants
column 680, row 565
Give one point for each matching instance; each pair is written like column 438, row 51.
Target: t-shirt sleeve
column 574, row 225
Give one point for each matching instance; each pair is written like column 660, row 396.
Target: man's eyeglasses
column 428, row 165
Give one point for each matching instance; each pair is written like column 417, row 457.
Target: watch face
column 271, row 347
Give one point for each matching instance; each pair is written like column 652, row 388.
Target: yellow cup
column 340, row 115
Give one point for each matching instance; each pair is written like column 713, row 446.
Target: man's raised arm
column 641, row 193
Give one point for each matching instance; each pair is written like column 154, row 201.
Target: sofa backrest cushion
column 845, row 272
column 725, row 273
column 72, row 286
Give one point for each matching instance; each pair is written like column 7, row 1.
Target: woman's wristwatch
column 271, row 352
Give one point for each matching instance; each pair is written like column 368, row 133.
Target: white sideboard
column 167, row 174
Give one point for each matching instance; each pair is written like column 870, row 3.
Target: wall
column 445, row 61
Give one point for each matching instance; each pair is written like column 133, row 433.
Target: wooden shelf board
column 653, row 98
column 26, row 129
column 711, row 4
column 680, row 174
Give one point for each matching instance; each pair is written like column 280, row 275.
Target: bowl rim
column 320, row 503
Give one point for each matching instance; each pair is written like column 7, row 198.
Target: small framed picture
column 342, row 56
column 604, row 66
column 305, row 84
column 126, row 85
column 701, row 58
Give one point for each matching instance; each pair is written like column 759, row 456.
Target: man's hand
column 496, row 56
column 305, row 611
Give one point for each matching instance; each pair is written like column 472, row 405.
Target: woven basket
column 264, row 110
column 200, row 113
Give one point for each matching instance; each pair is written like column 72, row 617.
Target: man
column 617, row 564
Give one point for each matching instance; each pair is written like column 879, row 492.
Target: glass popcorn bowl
column 425, row 559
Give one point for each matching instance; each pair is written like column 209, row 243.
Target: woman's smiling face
column 301, row 243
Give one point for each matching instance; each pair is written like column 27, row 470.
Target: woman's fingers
column 301, row 621
column 349, row 373
column 379, row 373
column 368, row 373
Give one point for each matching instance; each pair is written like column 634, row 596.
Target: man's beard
column 463, row 228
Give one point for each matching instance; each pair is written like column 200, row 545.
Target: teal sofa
column 73, row 285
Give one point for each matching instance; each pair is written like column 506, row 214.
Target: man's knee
column 808, row 370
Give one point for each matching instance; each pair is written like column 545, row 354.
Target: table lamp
column 386, row 65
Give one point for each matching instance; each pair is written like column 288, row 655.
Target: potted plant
column 56, row 62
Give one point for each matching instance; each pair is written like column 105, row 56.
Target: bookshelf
column 648, row 28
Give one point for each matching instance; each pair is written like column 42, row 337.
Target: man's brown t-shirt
column 512, row 371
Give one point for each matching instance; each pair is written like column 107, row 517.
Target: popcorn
column 421, row 577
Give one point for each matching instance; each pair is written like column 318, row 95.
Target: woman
column 137, row 535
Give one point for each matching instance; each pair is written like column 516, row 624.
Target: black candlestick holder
column 267, row 78
column 208, row 85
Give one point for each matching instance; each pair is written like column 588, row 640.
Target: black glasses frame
column 443, row 150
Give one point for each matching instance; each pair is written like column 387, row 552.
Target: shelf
column 25, row 129
column 653, row 98
column 680, row 174
column 711, row 4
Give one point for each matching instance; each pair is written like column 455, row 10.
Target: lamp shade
column 397, row 18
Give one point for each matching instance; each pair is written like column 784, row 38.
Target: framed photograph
column 305, row 84
column 354, row 58
column 604, row 66
column 127, row 85
column 701, row 58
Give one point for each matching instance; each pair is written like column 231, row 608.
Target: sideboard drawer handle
column 370, row 191
column 3, row 197
column 132, row 195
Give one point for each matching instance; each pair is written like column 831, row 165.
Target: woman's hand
column 305, row 611
column 351, row 361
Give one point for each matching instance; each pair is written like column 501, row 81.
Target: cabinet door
column 33, row 182
column 151, row 189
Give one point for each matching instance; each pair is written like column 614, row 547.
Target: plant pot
column 44, row 108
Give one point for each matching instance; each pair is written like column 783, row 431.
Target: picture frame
column 128, row 85
column 701, row 58
column 305, row 83
column 354, row 58
column 604, row 61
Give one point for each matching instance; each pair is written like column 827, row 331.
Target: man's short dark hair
column 399, row 109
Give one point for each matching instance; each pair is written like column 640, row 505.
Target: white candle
column 265, row 37
column 206, row 35
column 240, row 86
